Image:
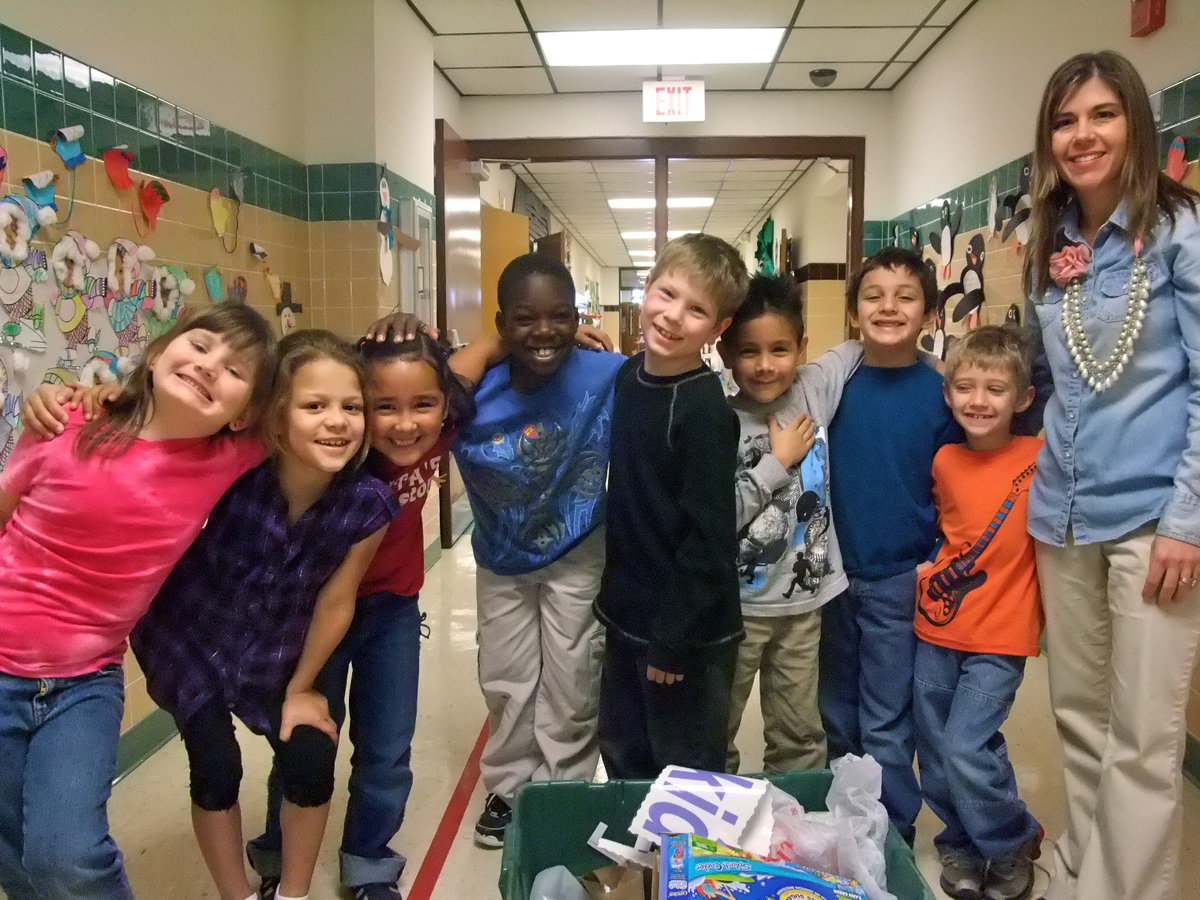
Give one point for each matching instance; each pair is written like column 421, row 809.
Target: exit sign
column 673, row 101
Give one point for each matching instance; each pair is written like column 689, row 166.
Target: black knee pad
column 306, row 767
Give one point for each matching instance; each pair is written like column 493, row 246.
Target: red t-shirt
column 981, row 593
column 399, row 563
column 91, row 541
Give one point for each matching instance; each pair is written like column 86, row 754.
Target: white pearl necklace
column 1101, row 375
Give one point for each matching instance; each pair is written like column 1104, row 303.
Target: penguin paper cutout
column 79, row 291
column 1019, row 206
column 994, row 218
column 24, row 321
column 969, row 286
column 1013, row 316
column 936, row 341
column 942, row 240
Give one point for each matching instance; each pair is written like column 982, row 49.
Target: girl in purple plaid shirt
column 247, row 619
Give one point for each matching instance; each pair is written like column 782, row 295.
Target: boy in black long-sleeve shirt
column 670, row 591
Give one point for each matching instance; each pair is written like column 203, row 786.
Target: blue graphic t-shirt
column 535, row 464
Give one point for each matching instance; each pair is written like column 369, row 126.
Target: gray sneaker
column 1011, row 877
column 962, row 872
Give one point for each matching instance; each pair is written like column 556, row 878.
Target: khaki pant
column 1119, row 678
column 540, row 653
column 782, row 650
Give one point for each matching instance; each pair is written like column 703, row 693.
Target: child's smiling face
column 890, row 313
column 538, row 327
column 408, row 410
column 763, row 355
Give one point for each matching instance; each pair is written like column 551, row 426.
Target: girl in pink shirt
column 89, row 529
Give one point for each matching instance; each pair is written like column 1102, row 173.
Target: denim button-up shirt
column 1116, row 460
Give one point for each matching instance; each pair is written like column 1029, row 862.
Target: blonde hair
column 993, row 347
column 710, row 261
column 296, row 351
column 1146, row 191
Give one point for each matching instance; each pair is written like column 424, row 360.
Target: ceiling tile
column 949, row 11
column 470, row 16
column 601, row 78
column 723, row 14
column 922, row 41
column 891, row 75
column 851, row 75
column 555, row 15
column 485, row 50
column 864, row 12
column 500, row 81
column 582, row 165
column 624, row 165
column 847, row 44
column 733, row 77
column 739, row 166
column 697, row 165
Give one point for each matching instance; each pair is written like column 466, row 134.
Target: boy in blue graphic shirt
column 534, row 461
column 891, row 422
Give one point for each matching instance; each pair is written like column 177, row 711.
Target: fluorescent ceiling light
column 672, row 202
column 649, row 235
column 660, row 46
column 649, row 253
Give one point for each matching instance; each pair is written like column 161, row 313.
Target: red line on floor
column 443, row 838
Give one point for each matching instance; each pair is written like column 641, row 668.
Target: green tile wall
column 1178, row 108
column 41, row 90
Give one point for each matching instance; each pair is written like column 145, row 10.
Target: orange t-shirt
column 981, row 593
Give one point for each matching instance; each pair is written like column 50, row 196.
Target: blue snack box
column 696, row 868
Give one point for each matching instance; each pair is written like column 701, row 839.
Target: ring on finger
column 1190, row 582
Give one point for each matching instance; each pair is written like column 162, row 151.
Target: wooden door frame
column 661, row 149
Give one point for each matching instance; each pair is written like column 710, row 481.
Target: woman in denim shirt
column 1113, row 280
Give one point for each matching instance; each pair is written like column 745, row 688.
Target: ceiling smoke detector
column 822, row 78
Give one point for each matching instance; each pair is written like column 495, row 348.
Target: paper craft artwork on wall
column 20, row 219
column 10, row 407
column 116, row 164
column 171, row 288
column 152, row 197
column 24, row 317
column 127, row 290
column 66, row 144
column 287, row 309
column 942, row 240
column 79, row 291
column 1019, row 206
column 214, row 283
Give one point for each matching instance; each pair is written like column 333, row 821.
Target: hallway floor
column 149, row 809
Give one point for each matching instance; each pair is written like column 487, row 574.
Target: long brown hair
column 112, row 434
column 296, row 351
column 1146, row 192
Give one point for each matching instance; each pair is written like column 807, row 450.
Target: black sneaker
column 268, row 888
column 496, row 816
column 376, row 891
column 962, row 872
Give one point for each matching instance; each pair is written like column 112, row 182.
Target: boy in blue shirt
column 534, row 461
column 891, row 422
column 670, row 594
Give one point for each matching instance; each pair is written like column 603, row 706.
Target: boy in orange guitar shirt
column 978, row 617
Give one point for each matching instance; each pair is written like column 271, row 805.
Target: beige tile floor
column 149, row 808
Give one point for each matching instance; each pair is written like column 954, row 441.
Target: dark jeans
column 865, row 688
column 304, row 762
column 645, row 727
column 383, row 648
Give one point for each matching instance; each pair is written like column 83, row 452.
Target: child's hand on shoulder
column 589, row 337
column 306, row 708
column 790, row 443
column 44, row 412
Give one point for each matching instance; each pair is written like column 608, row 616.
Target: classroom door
column 504, row 237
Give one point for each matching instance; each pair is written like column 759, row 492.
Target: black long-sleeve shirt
column 670, row 580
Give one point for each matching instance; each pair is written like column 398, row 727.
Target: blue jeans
column 58, row 757
column 865, row 685
column 960, row 700
column 383, row 647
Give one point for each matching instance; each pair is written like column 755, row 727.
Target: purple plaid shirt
column 231, row 618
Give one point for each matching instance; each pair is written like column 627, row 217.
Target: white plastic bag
column 557, row 883
column 861, row 822
column 798, row 836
